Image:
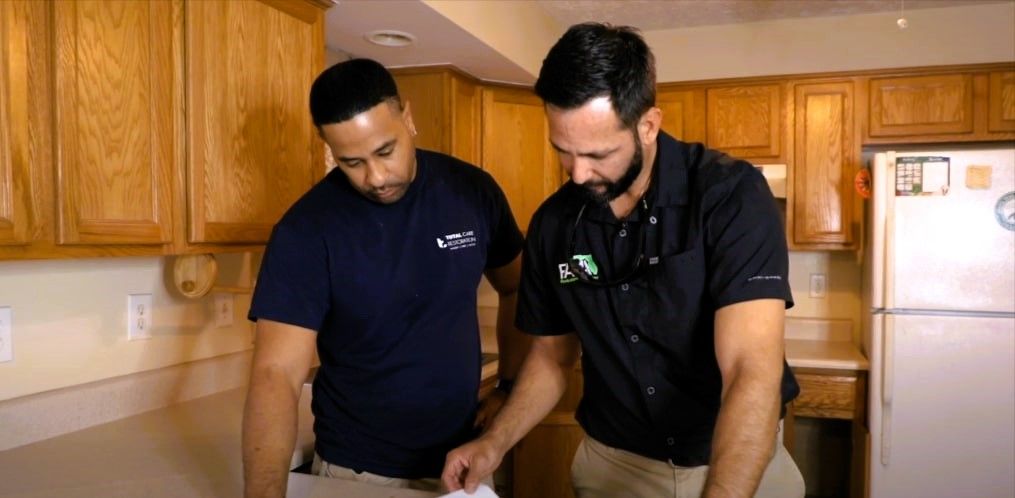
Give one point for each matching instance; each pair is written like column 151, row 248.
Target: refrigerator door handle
column 887, row 384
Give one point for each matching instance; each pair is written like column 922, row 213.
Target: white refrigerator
column 939, row 324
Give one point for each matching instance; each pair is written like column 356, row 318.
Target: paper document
column 483, row 491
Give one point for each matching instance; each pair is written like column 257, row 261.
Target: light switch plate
column 819, row 285
column 139, row 316
column 223, row 310
column 6, row 334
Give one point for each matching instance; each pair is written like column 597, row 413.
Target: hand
column 489, row 408
column 467, row 465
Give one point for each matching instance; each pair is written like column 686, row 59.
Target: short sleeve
column 293, row 284
column 539, row 309
column 746, row 242
column 506, row 239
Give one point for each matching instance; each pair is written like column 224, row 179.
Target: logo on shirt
column 456, row 241
column 585, row 262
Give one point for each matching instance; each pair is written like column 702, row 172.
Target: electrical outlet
column 139, row 316
column 819, row 285
column 6, row 333
column 223, row 310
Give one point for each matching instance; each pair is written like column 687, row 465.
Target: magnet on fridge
column 978, row 177
column 862, row 182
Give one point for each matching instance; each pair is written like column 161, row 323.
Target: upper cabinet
column 747, row 121
column 516, row 149
column 683, row 112
column 114, row 113
column 820, row 210
column 445, row 107
column 918, row 106
column 252, row 147
column 1001, row 102
column 15, row 180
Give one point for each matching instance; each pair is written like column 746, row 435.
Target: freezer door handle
column 887, row 382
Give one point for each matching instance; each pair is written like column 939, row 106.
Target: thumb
column 453, row 470
column 471, row 481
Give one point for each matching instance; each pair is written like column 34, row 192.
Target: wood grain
column 114, row 129
column 516, row 149
column 427, row 97
column 1001, row 103
column 253, row 149
column 918, row 105
column 745, row 121
column 825, row 160
column 826, row 396
column 683, row 113
column 465, row 119
column 15, row 180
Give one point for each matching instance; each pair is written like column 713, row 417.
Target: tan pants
column 599, row 471
column 324, row 469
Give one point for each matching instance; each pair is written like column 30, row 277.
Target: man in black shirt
column 667, row 262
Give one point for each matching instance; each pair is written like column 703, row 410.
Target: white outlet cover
column 223, row 310
column 6, row 334
column 819, row 285
column 140, row 316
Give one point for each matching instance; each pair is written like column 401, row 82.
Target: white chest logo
column 457, row 240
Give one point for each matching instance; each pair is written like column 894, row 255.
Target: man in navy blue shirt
column 376, row 267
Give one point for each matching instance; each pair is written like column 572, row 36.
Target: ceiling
column 650, row 15
column 441, row 41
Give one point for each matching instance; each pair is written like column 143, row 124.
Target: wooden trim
column 433, row 68
column 307, row 10
column 996, row 120
column 15, row 179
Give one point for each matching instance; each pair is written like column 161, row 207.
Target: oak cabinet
column 747, row 121
column 15, row 179
column 683, row 113
column 516, row 150
column 1001, row 102
column 820, row 201
column 252, row 147
column 921, row 105
column 445, row 107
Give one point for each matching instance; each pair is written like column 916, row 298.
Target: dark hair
column 349, row 88
column 593, row 60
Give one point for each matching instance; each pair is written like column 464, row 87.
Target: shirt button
column 635, row 338
column 651, row 390
column 624, row 287
column 623, row 233
column 670, row 441
column 652, row 220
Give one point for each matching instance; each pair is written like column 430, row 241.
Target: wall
column 957, row 35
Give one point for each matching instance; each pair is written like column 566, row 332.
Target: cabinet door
column 114, row 115
column 252, row 147
column 683, row 113
column 465, row 117
column 746, row 121
column 1002, row 102
column 425, row 95
column 516, row 149
column 825, row 159
column 921, row 105
column 14, row 173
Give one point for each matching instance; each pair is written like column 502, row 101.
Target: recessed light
column 390, row 38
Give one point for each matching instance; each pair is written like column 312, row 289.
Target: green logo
column 587, row 264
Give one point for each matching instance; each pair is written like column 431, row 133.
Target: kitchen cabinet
column 15, row 182
column 1001, row 102
column 821, row 206
column 747, row 121
column 148, row 128
column 445, row 108
column 683, row 112
column 516, row 149
column 542, row 459
column 252, row 147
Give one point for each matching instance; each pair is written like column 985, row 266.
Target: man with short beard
column 667, row 263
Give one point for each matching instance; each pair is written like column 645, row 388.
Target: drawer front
column 826, row 396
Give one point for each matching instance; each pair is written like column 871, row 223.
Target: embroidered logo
column 585, row 262
column 456, row 241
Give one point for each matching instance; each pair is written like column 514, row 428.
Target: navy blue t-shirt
column 391, row 290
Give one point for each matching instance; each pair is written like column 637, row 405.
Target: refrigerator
column 939, row 323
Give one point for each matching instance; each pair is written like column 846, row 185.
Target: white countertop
column 191, row 449
column 821, row 343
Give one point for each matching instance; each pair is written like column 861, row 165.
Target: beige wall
column 958, row 35
column 69, row 319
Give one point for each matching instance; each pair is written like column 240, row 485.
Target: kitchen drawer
column 826, row 396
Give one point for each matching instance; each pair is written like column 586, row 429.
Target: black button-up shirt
column 711, row 236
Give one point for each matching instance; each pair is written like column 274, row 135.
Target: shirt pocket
column 674, row 290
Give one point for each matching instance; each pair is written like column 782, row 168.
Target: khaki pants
column 599, row 471
column 324, row 469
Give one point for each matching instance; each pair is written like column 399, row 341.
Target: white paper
column 483, row 491
column 935, row 177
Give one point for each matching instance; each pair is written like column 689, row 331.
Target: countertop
column 822, row 343
column 190, row 449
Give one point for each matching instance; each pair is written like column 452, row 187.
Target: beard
column 612, row 190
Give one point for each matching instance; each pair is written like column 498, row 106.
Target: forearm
column 512, row 344
column 745, row 431
column 540, row 385
column 269, row 433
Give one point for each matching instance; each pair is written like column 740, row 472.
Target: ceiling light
column 390, row 38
